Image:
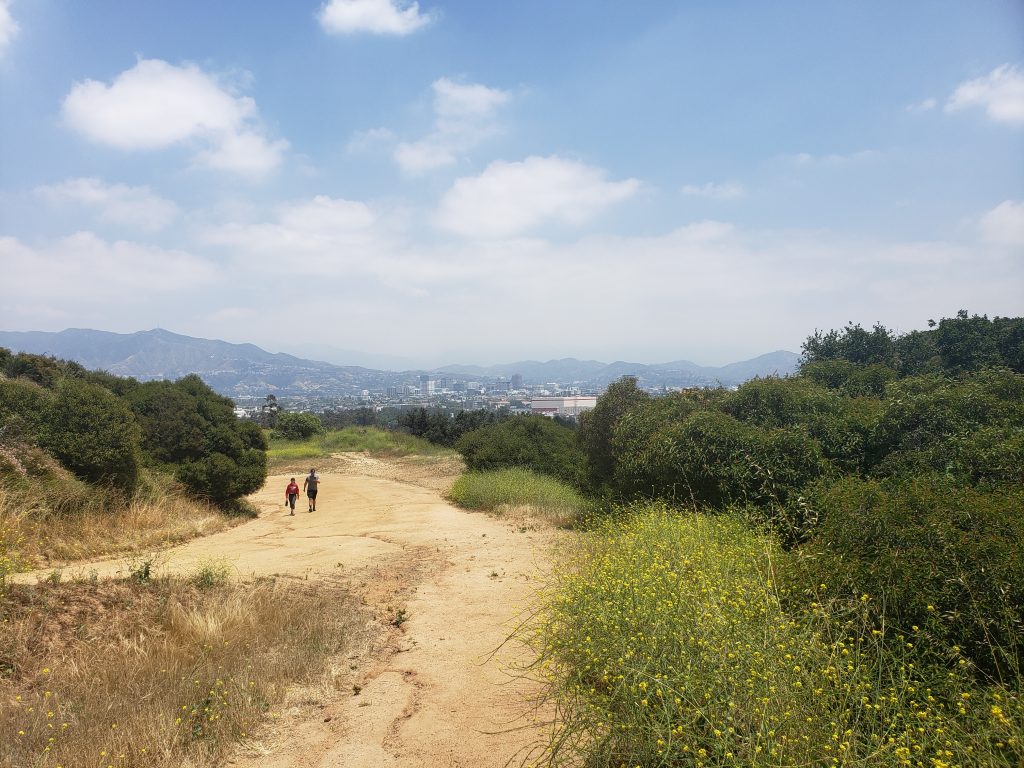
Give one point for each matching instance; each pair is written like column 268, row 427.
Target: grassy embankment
column 505, row 491
column 140, row 672
column 55, row 517
column 665, row 641
column 168, row 672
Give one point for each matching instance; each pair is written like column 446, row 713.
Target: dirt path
column 433, row 691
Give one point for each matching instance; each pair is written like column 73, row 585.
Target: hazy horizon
column 450, row 182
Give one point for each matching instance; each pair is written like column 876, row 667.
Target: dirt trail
column 432, row 691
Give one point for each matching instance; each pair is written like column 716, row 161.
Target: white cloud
column 463, row 117
column 725, row 191
column 327, row 234
column 511, row 198
column 84, row 270
column 8, row 27
column 805, row 158
column 1000, row 93
column 421, row 156
column 155, row 105
column 460, row 101
column 137, row 207
column 379, row 17
column 245, row 153
column 1004, row 224
column 925, row 105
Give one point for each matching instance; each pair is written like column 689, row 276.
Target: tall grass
column 164, row 673
column 57, row 517
column 504, row 490
column 663, row 642
column 376, row 442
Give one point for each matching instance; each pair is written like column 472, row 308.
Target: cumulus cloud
column 1000, row 93
column 137, row 207
column 8, row 27
column 725, row 191
column 155, row 105
column 1004, row 224
column 328, row 235
column 463, row 117
column 83, row 269
column 508, row 199
column 379, row 17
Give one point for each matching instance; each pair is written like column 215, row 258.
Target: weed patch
column 507, row 489
column 663, row 641
column 164, row 673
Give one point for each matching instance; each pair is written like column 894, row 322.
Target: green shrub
column 928, row 553
column 929, row 423
column 711, row 459
column 298, row 426
column 532, row 442
column 193, row 431
column 23, row 406
column 93, row 433
column 662, row 641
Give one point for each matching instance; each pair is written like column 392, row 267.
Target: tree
column 192, row 430
column 853, row 343
column 298, row 426
column 597, row 428
column 93, row 433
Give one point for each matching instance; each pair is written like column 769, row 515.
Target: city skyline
column 454, row 182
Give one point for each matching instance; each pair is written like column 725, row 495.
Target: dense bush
column 533, row 442
column 23, row 405
column 929, row 553
column 193, row 431
column 597, row 429
column 93, row 433
column 933, row 423
column 298, row 426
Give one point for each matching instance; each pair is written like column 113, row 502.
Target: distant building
column 562, row 406
column 426, row 385
column 517, row 381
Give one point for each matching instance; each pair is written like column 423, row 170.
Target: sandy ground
column 439, row 688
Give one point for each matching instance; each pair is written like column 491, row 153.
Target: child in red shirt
column 291, row 494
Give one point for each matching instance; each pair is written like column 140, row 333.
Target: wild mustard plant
column 664, row 642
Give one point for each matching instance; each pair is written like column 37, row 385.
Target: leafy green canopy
column 190, row 429
column 532, row 442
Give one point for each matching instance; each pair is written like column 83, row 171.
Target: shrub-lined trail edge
column 445, row 586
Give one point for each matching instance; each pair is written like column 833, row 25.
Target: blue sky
column 484, row 182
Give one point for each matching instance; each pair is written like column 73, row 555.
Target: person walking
column 291, row 495
column 310, row 485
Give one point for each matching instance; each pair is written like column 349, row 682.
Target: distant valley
column 245, row 370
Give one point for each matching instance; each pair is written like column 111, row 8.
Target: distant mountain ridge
column 245, row 369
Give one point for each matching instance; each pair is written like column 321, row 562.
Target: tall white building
column 562, row 406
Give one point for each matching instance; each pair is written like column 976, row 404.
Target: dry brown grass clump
column 58, row 518
column 156, row 673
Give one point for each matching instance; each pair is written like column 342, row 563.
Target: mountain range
column 245, row 369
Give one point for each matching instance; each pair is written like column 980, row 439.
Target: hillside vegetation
column 139, row 671
column 821, row 569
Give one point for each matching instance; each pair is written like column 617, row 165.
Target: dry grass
column 158, row 673
column 56, row 518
